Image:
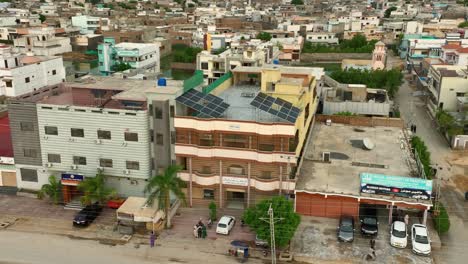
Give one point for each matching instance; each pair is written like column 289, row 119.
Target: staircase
column 74, row 205
column 8, row 190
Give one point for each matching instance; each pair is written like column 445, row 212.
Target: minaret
column 379, row 56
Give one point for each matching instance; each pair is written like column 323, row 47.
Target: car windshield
column 370, row 221
column 398, row 233
column 422, row 239
column 347, row 228
column 222, row 225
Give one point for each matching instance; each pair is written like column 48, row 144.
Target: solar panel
column 276, row 106
column 207, row 105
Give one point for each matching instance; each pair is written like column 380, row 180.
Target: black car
column 369, row 222
column 87, row 215
column 345, row 230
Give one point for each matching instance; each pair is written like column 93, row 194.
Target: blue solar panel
column 276, row 106
column 208, row 105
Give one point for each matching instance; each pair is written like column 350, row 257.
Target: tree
column 297, row 2
column 212, row 208
column 284, row 229
column 53, row 189
column 161, row 186
column 463, row 24
column 118, row 67
column 441, row 219
column 42, row 18
column 265, row 36
column 389, row 11
column 95, row 190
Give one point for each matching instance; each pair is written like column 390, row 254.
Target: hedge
column 424, row 155
column 441, row 220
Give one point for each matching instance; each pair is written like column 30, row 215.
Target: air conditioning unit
column 100, row 168
column 126, row 172
column 71, row 140
column 48, row 165
column 97, row 141
column 46, row 137
column 124, row 144
column 74, row 167
column 133, row 182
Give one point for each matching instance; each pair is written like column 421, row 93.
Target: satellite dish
column 368, row 144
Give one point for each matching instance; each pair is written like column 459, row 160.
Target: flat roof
column 390, row 156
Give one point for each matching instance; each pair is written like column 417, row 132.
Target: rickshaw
column 240, row 250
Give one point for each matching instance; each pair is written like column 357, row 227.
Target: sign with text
column 71, row 179
column 235, row 181
column 396, row 185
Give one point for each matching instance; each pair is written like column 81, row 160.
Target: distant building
column 90, row 24
column 42, row 41
column 379, row 56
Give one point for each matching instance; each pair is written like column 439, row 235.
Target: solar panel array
column 276, row 106
column 207, row 105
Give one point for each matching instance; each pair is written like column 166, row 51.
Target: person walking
column 372, row 244
column 195, row 231
column 204, row 232
column 406, row 219
column 199, row 231
column 152, row 239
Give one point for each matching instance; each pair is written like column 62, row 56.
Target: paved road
column 454, row 243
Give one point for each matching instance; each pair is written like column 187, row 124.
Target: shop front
column 70, row 186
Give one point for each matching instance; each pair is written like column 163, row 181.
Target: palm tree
column 161, row 186
column 94, row 190
column 53, row 189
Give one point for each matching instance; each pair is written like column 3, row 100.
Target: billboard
column 396, row 185
column 71, row 179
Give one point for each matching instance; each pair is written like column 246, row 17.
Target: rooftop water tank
column 162, row 82
column 275, row 61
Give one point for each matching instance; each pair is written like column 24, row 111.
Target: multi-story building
column 90, row 24
column 42, row 41
column 144, row 56
column 322, row 38
column 240, row 140
column 455, row 54
column 20, row 74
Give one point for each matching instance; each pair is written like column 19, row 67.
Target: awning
column 136, row 209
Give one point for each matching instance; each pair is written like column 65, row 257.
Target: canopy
column 135, row 209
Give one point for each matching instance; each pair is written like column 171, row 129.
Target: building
column 379, row 57
column 90, row 24
column 139, row 56
column 42, row 41
column 7, row 162
column 83, row 43
column 106, row 125
column 20, row 74
column 322, row 38
column 455, row 54
column 240, row 139
column 351, row 167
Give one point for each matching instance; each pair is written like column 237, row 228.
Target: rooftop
column 348, row 158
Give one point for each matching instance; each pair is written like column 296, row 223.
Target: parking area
column 316, row 240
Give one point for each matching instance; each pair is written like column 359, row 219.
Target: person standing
column 152, row 239
column 406, row 219
column 204, row 232
column 199, row 231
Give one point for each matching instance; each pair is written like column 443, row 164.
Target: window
column 104, row 134
column 30, row 153
column 171, row 111
column 54, row 158
column 173, row 137
column 27, row 126
column 28, row 175
column 159, row 139
column 105, row 163
column 208, row 194
column 206, row 170
column 265, row 175
column 27, row 80
column 77, row 160
column 131, row 136
column 77, row 132
column 206, row 140
column 158, row 112
column 51, row 130
column 235, row 141
column 54, row 72
column 133, row 165
column 204, row 65
column 236, row 170
column 9, row 83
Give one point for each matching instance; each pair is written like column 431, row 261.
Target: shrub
column 441, row 219
column 424, row 155
column 212, row 208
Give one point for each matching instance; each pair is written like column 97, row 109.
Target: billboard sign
column 71, row 179
column 408, row 187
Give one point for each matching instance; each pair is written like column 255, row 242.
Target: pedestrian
column 152, row 238
column 204, row 232
column 372, row 244
column 199, row 231
column 200, row 222
column 195, row 231
column 406, row 219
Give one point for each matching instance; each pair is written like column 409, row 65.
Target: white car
column 225, row 224
column 420, row 240
column 398, row 234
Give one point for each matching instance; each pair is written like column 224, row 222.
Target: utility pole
column 271, row 220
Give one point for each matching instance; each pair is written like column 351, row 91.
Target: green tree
column 118, row 67
column 463, row 24
column 53, row 190
column 284, row 229
column 389, row 11
column 184, row 53
column 213, row 213
column 441, row 219
column 265, row 36
column 297, row 2
column 95, row 190
column 42, row 18
column 345, row 113
column 161, row 186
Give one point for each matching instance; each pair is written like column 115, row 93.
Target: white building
column 322, row 38
column 20, row 74
column 89, row 24
column 42, row 41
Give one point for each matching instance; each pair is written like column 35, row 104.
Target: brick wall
column 362, row 120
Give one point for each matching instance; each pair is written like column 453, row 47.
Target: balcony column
column 220, row 184
column 248, row 184
column 190, row 181
column 280, row 179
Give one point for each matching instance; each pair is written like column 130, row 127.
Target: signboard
column 235, row 181
column 396, row 185
column 7, row 160
column 71, row 179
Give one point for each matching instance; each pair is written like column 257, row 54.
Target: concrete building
column 379, row 57
column 90, row 24
column 455, row 54
column 7, row 161
column 20, row 74
column 140, row 56
column 322, row 38
column 42, row 41
column 245, row 145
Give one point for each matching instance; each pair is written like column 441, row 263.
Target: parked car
column 369, row 222
column 345, row 231
column 225, row 224
column 398, row 234
column 87, row 215
column 260, row 242
column 420, row 240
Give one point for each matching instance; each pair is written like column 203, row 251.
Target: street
column 414, row 112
